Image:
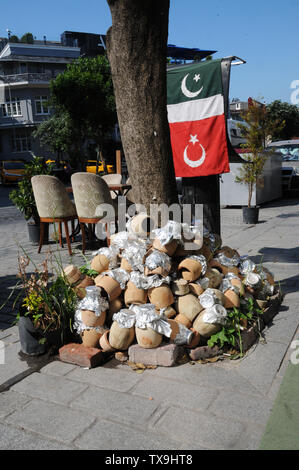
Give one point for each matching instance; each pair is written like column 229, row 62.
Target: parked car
column 289, row 150
column 11, row 171
column 61, row 169
column 91, row 167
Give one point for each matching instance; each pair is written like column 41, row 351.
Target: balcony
column 29, row 77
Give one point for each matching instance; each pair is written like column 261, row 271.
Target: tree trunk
column 137, row 50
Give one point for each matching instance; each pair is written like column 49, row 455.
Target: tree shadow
column 10, row 300
column 276, row 255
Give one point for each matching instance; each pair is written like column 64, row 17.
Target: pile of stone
column 153, row 291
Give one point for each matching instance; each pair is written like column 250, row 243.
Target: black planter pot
column 251, row 215
column 30, row 338
column 34, row 233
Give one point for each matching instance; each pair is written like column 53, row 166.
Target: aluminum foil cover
column 147, row 317
column 267, row 289
column 171, row 231
column 184, row 335
column 246, row 266
column 157, row 259
column 225, row 261
column 121, row 239
column 227, row 285
column 202, row 260
column 119, row 275
column 111, row 253
column 208, row 299
column 252, row 280
column 215, row 315
column 146, row 282
column 204, row 282
column 134, row 253
column 125, row 318
column 93, row 301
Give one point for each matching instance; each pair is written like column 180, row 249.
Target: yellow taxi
column 91, row 167
column 11, row 171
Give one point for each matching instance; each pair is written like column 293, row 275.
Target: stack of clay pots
column 191, row 291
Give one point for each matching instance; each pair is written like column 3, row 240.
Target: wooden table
column 118, row 189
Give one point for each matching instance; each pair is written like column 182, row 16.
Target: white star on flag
column 196, row 77
column 193, row 139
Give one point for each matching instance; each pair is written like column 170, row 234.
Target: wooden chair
column 90, row 192
column 112, row 178
column 53, row 206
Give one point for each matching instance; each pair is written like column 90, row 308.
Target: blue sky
column 263, row 32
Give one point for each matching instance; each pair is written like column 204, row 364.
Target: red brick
column 82, row 356
column 165, row 355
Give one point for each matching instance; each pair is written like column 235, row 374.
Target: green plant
column 23, row 197
column 258, row 126
column 230, row 336
column 49, row 301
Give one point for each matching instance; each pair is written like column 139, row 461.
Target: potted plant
column 47, row 309
column 23, row 197
column 256, row 129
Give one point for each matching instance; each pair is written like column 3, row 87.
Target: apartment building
column 25, row 74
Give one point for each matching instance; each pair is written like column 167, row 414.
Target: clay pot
column 109, row 285
column 104, row 342
column 231, row 299
column 195, row 339
column 228, row 252
column 206, row 251
column 175, row 329
column 219, row 295
column 100, row 263
column 121, row 338
column 141, row 224
column 239, row 284
column 126, row 265
column 215, row 277
column 134, row 295
column 189, row 306
column 180, row 287
column 161, row 296
column 114, row 306
column 148, row 338
column 73, row 274
column 223, row 269
column 89, row 318
column 170, row 312
column 205, row 329
column 190, row 269
column 90, row 338
column 169, row 248
column 180, row 318
column 196, row 289
column 80, row 288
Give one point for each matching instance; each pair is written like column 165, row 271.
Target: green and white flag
column 195, row 106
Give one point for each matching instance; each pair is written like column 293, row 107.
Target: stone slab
column 166, row 355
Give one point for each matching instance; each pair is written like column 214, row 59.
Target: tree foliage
column 27, row 38
column 259, row 125
column 284, row 112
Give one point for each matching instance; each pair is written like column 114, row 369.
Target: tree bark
column 137, row 50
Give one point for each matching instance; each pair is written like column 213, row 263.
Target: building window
column 41, row 105
column 11, row 108
column 20, row 142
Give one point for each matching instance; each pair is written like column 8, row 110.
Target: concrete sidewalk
column 225, row 405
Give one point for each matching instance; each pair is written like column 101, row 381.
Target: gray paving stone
column 251, row 438
column 203, row 428
column 261, row 365
column 51, row 420
column 57, row 368
column 166, row 391
column 119, row 380
column 47, row 387
column 116, row 406
column 209, row 376
column 242, row 407
column 282, row 328
column 11, row 401
column 111, row 436
column 13, row 365
column 12, row 438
